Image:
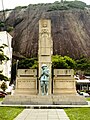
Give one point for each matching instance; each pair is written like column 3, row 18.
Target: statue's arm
column 41, row 75
column 47, row 73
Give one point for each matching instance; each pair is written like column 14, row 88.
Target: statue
column 44, row 79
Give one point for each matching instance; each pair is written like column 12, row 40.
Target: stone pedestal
column 26, row 82
column 62, row 99
column 64, row 82
column 45, row 48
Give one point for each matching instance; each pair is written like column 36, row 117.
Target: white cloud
column 13, row 3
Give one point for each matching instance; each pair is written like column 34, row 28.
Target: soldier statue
column 44, row 79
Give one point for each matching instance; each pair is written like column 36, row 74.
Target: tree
column 28, row 63
column 3, row 58
column 83, row 64
column 61, row 62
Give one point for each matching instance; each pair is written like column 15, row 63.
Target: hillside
column 70, row 29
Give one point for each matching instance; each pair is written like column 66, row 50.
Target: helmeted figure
column 44, row 79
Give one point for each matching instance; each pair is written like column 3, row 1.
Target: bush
column 2, row 24
column 3, row 86
column 9, row 29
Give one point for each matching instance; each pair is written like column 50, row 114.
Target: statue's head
column 44, row 66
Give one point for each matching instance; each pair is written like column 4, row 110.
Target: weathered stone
column 64, row 82
column 62, row 99
column 26, row 82
column 45, row 48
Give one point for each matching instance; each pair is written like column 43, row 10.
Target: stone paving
column 42, row 114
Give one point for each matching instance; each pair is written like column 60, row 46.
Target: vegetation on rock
column 4, row 27
column 66, row 5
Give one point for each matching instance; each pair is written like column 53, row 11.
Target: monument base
column 62, row 99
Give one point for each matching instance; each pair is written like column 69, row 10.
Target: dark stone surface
column 70, row 30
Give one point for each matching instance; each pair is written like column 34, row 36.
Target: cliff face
column 70, row 30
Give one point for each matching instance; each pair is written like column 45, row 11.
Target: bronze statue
column 44, row 79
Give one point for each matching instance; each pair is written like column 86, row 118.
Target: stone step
column 45, row 100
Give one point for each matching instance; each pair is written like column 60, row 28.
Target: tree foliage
column 65, row 5
column 5, row 27
column 28, row 63
column 3, row 57
column 83, row 64
column 61, row 62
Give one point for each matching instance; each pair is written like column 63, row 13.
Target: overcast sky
column 9, row 4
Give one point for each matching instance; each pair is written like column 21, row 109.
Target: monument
column 59, row 90
column 45, row 50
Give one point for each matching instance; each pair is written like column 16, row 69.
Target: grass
column 1, row 99
column 78, row 113
column 9, row 113
column 88, row 98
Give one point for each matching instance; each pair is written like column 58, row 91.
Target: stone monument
column 45, row 48
column 63, row 83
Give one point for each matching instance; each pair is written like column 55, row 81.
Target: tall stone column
column 45, row 48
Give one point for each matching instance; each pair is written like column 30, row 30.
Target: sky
column 10, row 4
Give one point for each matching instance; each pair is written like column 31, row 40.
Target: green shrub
column 3, row 86
column 2, row 24
column 9, row 29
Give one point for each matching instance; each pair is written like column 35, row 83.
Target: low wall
column 26, row 82
column 64, row 82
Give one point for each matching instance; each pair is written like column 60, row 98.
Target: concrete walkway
column 42, row 114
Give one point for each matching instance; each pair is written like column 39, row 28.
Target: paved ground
column 42, row 114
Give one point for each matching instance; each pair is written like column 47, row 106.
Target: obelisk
column 45, row 48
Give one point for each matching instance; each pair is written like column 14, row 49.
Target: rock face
column 70, row 30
